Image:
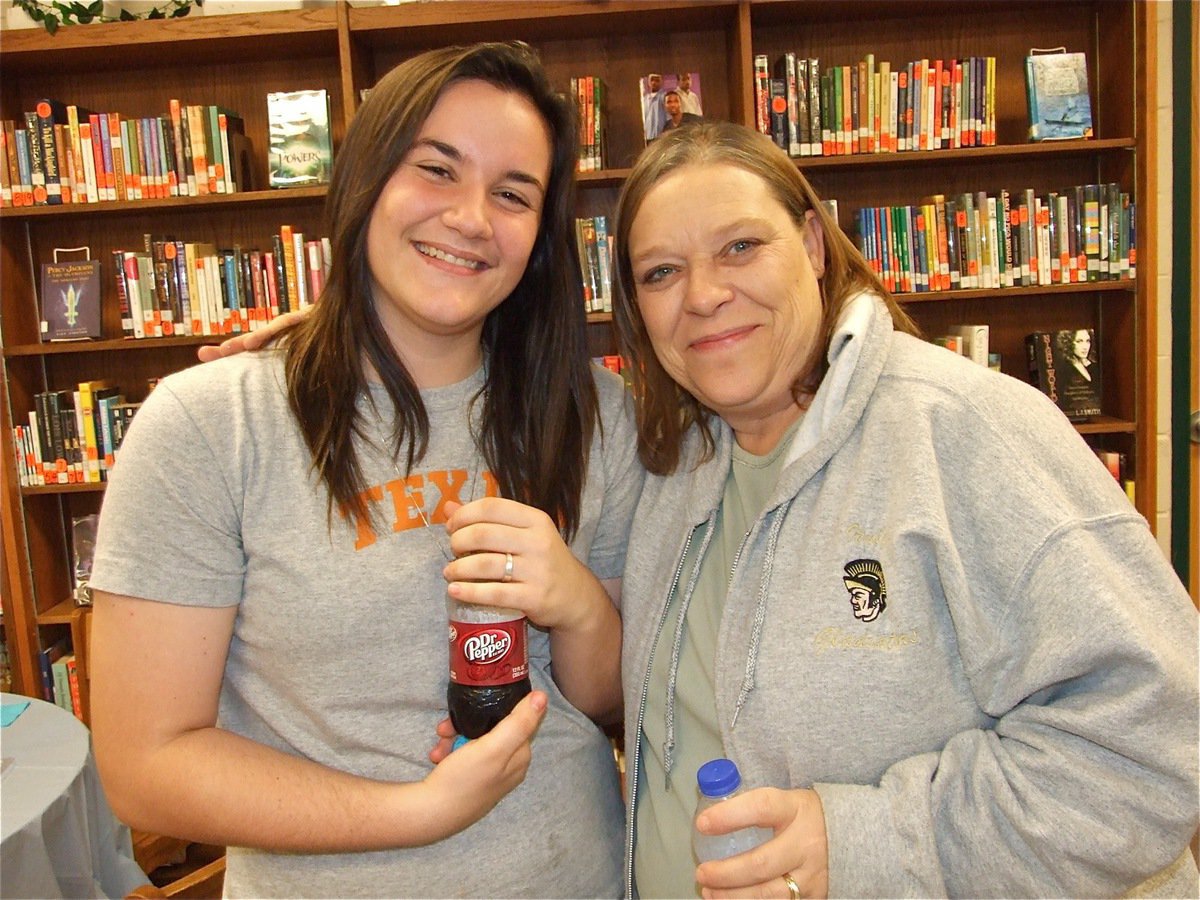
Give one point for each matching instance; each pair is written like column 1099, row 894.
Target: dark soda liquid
column 475, row 711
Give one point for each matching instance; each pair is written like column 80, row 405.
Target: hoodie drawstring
column 676, row 646
column 760, row 611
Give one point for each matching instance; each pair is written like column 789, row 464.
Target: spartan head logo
column 868, row 590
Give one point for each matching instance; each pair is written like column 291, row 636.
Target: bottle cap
column 718, row 777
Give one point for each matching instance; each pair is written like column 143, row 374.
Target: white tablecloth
column 58, row 835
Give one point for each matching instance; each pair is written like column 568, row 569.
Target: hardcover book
column 71, row 300
column 301, row 146
column 1057, row 88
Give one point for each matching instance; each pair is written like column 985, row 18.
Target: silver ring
column 793, row 888
column 507, row 568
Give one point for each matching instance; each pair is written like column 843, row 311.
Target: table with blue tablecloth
column 58, row 835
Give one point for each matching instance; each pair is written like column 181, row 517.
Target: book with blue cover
column 1060, row 106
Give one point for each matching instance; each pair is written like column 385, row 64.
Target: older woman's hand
column 251, row 340
column 799, row 849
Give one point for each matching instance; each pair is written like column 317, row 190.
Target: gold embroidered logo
column 868, row 589
column 837, row 639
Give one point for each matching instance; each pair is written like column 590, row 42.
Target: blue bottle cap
column 718, row 777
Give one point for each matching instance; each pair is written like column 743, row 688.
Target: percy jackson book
column 70, row 300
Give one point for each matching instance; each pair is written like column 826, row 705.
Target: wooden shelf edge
column 92, row 487
column 964, row 154
column 1084, row 287
column 1106, row 425
column 27, row 49
column 119, row 345
column 58, row 614
column 140, row 207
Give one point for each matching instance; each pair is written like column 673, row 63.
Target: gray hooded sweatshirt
column 950, row 622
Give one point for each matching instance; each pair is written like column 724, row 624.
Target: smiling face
column 451, row 233
column 727, row 286
column 673, row 104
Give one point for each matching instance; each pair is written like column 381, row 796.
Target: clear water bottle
column 719, row 780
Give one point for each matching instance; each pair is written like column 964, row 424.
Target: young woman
column 270, row 653
column 898, row 589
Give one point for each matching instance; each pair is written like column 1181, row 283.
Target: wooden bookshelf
column 234, row 61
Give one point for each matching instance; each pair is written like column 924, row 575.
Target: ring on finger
column 793, row 888
column 508, row 568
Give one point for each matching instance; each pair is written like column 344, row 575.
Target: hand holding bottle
column 511, row 555
column 799, row 848
column 466, row 784
column 544, row 579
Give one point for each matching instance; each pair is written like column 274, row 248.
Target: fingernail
column 458, row 742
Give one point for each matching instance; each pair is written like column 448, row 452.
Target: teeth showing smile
column 449, row 257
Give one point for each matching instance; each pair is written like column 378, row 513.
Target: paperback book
column 1056, row 85
column 1064, row 365
column 300, row 152
column 669, row 101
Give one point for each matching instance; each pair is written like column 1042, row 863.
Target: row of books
column 72, row 436
column 68, row 154
column 178, row 287
column 979, row 240
column 594, row 243
column 875, row 108
column 60, row 679
column 971, row 341
column 589, row 92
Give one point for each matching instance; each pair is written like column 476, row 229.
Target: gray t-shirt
column 339, row 650
column 664, row 865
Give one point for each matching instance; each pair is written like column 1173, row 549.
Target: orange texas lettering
column 427, row 491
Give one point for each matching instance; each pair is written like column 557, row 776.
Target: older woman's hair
column 540, row 407
column 665, row 411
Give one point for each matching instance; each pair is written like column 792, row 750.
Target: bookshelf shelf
column 1106, row 425
column 1124, row 285
column 59, row 614
column 201, row 40
column 1005, row 152
column 62, row 489
column 603, row 178
column 108, row 346
column 235, row 60
column 174, row 205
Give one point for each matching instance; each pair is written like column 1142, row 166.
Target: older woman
column 896, row 588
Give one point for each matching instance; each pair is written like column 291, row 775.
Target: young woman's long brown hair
column 665, row 411
column 539, row 404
